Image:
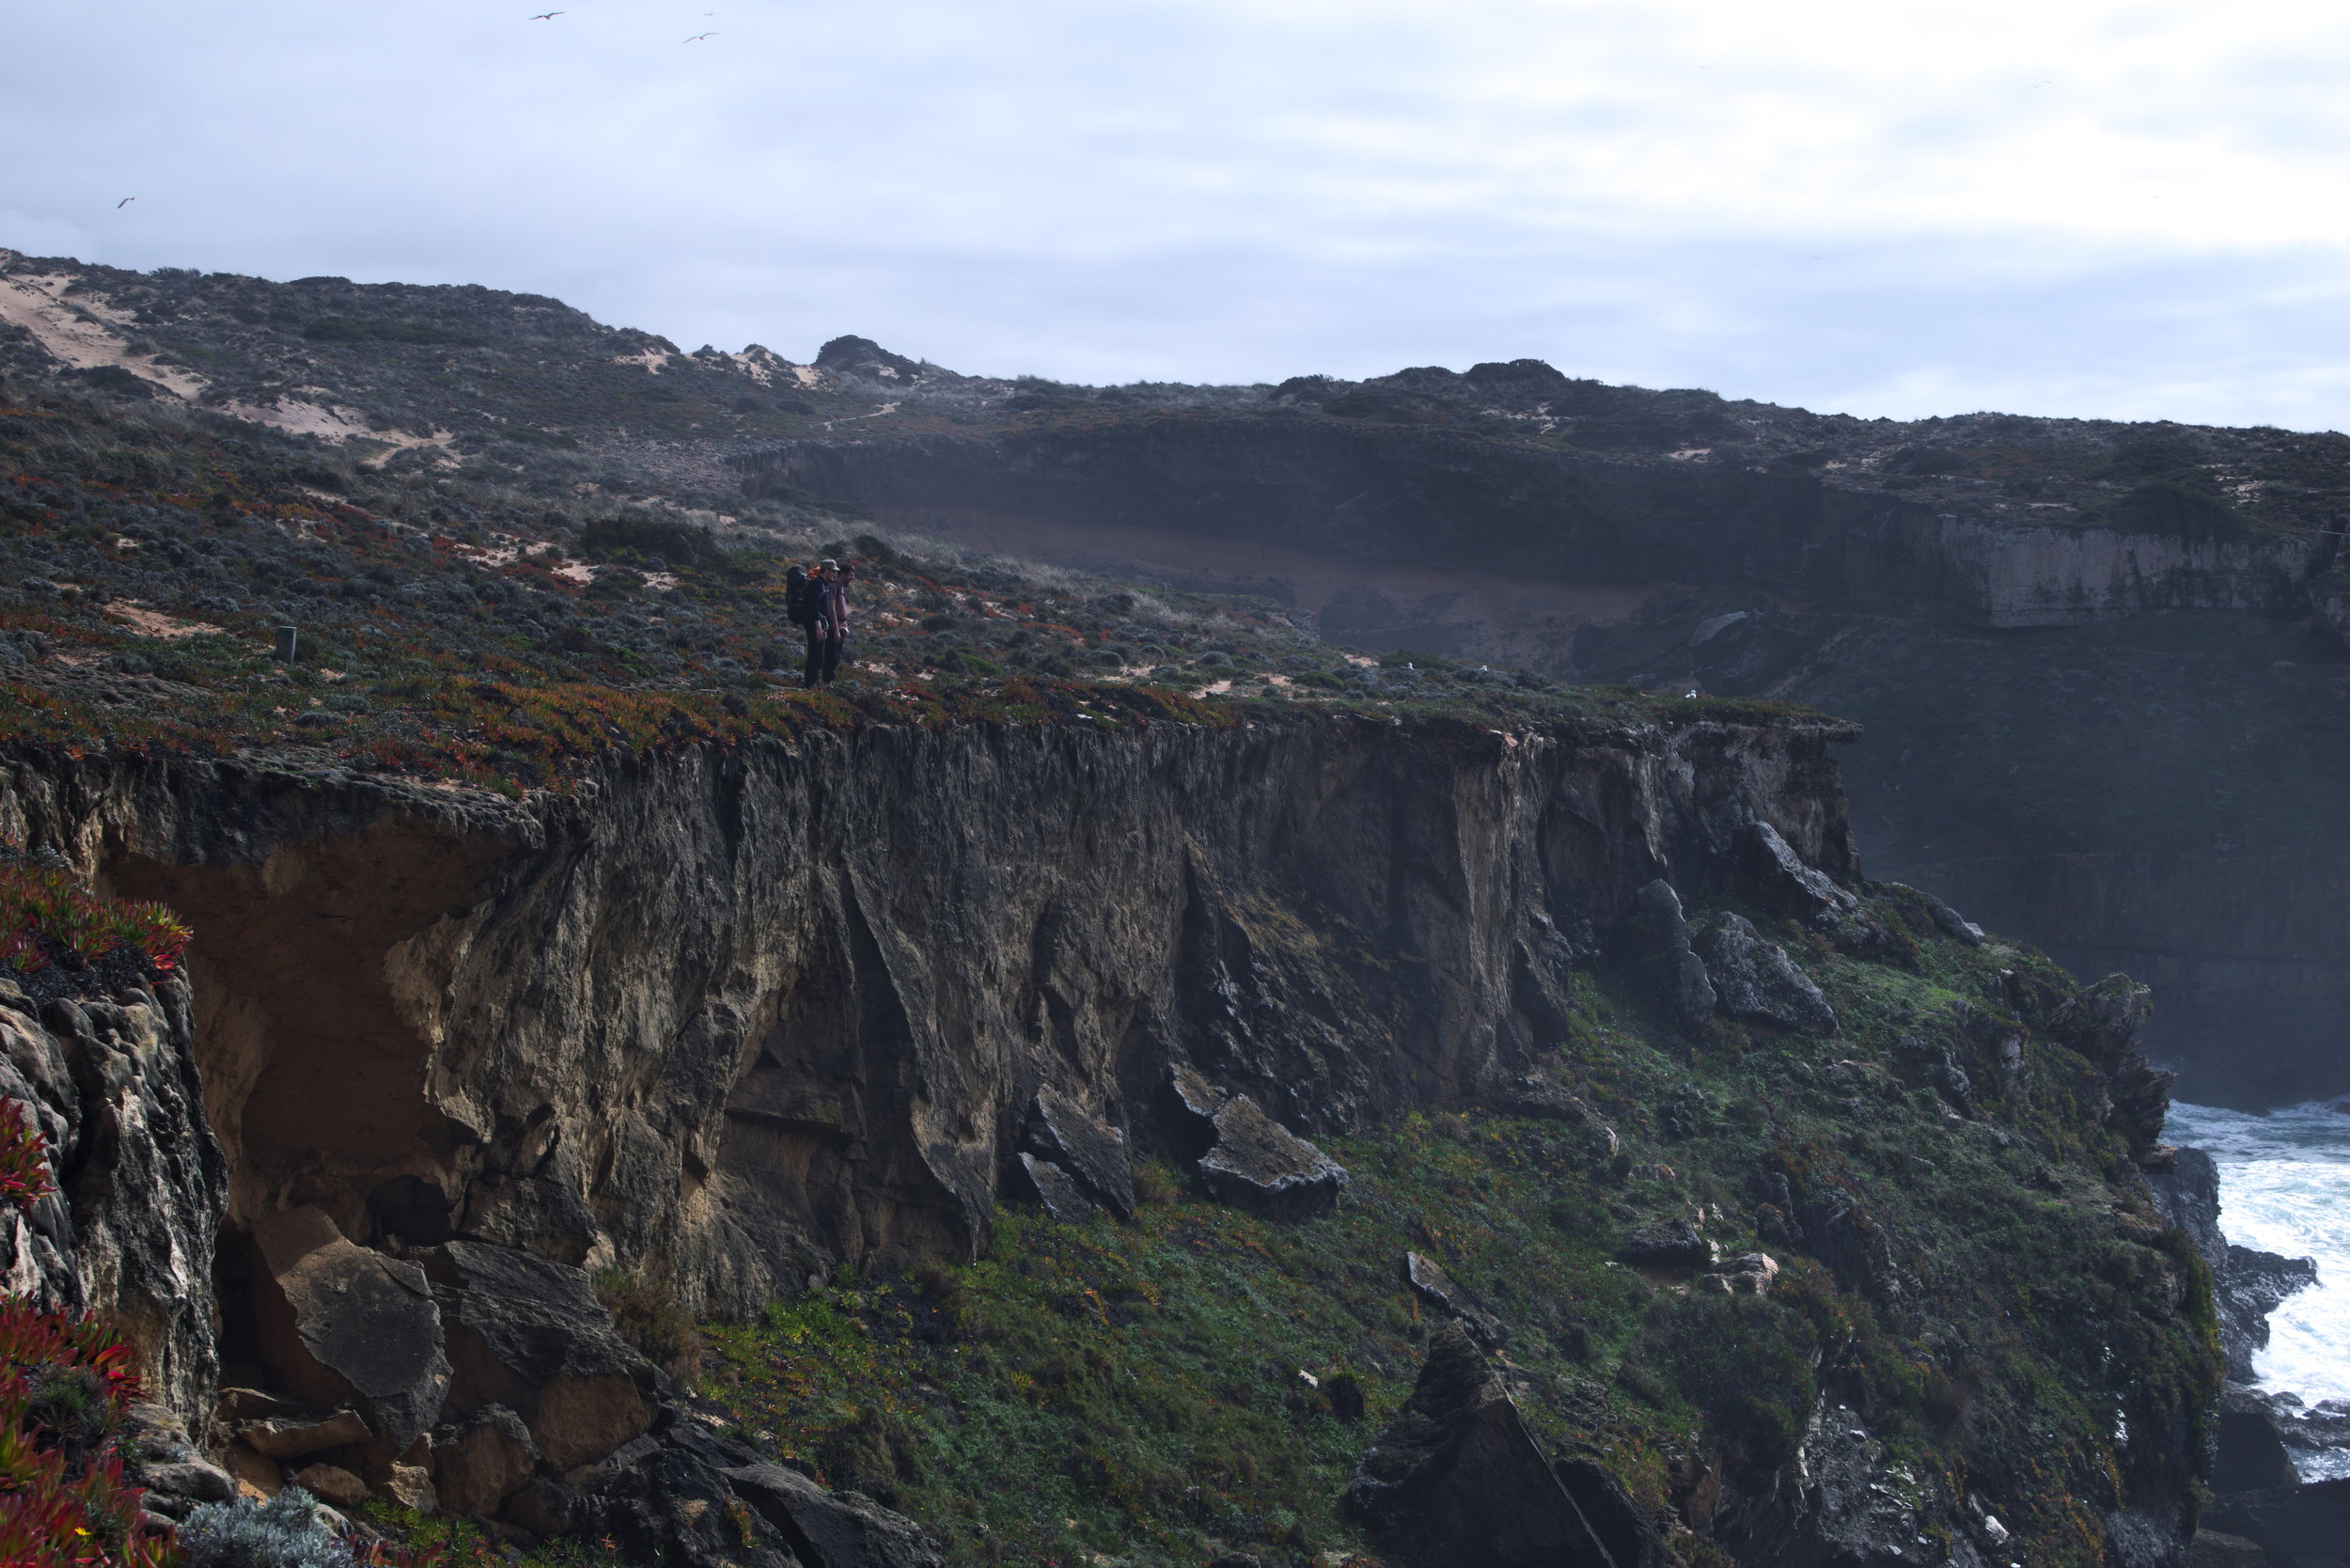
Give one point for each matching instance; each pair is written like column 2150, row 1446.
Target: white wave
column 2284, row 1186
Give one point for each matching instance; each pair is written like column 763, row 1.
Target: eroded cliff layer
column 740, row 1015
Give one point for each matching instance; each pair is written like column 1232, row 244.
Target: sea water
column 2284, row 1187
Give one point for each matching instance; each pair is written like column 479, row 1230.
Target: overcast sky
column 2043, row 206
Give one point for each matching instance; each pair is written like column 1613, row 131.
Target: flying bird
column 124, row 202
column 546, row 16
column 698, row 36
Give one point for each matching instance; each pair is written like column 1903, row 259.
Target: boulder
column 831, row 1529
column 1755, row 980
column 2289, row 1522
column 1656, row 939
column 1262, row 1166
column 1090, row 1150
column 1432, row 1284
column 341, row 1325
column 1668, row 1244
column 1749, row 1274
column 1055, row 1188
column 2213, row 1548
column 194, row 1480
column 292, row 1437
column 480, row 1464
column 2250, row 1453
column 332, row 1483
column 1794, row 887
column 411, row 1486
column 1948, row 921
column 544, row 1506
column 262, row 1476
column 530, row 1335
column 1458, row 1479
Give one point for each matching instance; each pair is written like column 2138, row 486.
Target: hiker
column 819, row 605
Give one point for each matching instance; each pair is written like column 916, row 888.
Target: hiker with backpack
column 819, row 605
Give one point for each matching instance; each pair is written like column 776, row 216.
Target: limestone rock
column 291, row 1437
column 1432, row 1284
column 1668, row 1244
column 332, row 1483
column 1755, row 979
column 1262, row 1166
column 1089, row 1149
column 479, row 1465
column 1457, row 1478
column 1054, row 1188
column 530, row 1335
column 341, row 1324
column 832, row 1529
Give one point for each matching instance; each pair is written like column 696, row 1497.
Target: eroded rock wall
column 734, row 1017
column 128, row 1234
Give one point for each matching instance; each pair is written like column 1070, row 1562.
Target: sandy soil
column 154, row 624
column 80, row 334
column 652, row 359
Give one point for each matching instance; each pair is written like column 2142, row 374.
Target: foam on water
column 2284, row 1186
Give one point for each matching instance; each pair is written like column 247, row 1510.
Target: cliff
column 799, row 1031
column 738, row 1017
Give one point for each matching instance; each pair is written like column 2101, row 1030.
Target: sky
column 2094, row 208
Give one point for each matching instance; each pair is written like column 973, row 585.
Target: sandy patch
column 573, row 572
column 299, row 416
column 655, row 360
column 1691, row 454
column 154, row 624
column 808, row 375
column 1214, row 688
column 885, row 408
column 79, row 335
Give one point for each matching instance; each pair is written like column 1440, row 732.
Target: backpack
column 802, row 598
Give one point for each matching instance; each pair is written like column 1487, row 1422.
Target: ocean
column 2284, row 1186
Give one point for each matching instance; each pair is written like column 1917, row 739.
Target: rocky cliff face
column 2068, row 719
column 128, row 1233
column 737, row 1018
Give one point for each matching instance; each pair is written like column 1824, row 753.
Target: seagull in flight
column 546, row 16
column 698, row 36
column 124, row 202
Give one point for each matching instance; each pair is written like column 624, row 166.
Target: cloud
column 2099, row 208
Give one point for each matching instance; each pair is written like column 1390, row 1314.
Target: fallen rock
column 1432, row 1284
column 1946, row 919
column 480, row 1464
column 1656, row 937
column 332, row 1483
column 1055, row 1188
column 252, row 1470
column 1756, row 979
column 545, row 1507
column 2213, row 1548
column 1091, row 1152
column 342, row 1324
column 1782, row 877
column 1749, row 1274
column 1457, row 1479
column 293, row 1437
column 1262, row 1166
column 1669, row 1244
column 530, row 1335
column 832, row 1529
column 411, row 1486
column 2251, row 1454
column 2289, row 1522
column 192, row 1479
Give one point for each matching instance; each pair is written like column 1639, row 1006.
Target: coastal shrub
column 283, row 1532
column 648, row 1315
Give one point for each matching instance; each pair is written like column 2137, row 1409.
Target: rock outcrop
column 1457, row 1478
column 830, row 981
